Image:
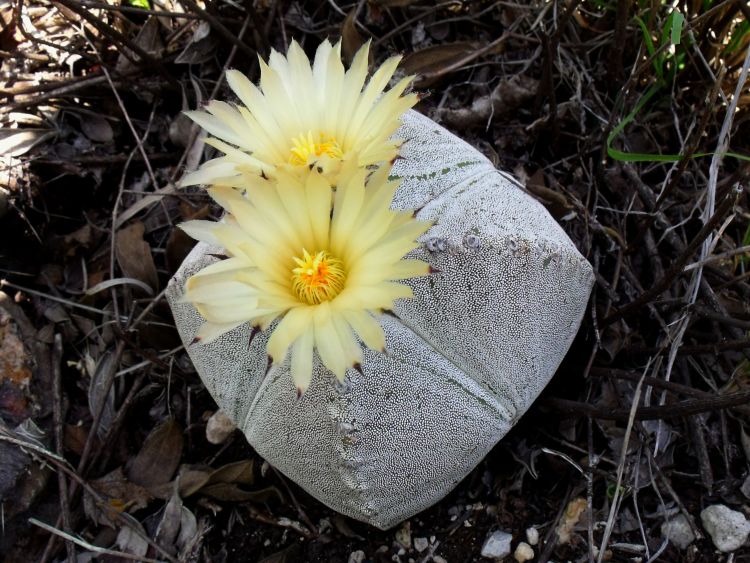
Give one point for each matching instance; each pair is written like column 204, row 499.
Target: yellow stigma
column 319, row 277
column 306, row 146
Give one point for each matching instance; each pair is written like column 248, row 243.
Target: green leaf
column 140, row 4
column 676, row 21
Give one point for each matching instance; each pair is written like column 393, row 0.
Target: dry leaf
column 436, row 59
column 287, row 555
column 148, row 39
column 351, row 40
column 179, row 245
column 169, row 527
column 119, row 494
column 569, row 520
column 96, row 128
column 230, row 492
column 393, row 3
column 130, row 542
column 134, row 255
column 15, row 142
column 159, row 457
column 188, row 532
column 237, row 472
column 97, row 389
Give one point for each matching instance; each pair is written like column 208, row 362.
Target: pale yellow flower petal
column 208, row 332
column 294, row 323
column 302, row 360
column 303, row 116
column 327, row 343
column 367, row 328
column 319, row 195
column 320, row 264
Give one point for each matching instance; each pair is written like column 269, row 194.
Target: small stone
column 219, row 428
column 728, row 528
column 497, row 545
column 532, row 535
column 438, row 559
column 523, row 552
column 420, row 544
column 746, row 487
column 403, row 535
column 678, row 531
column 357, row 556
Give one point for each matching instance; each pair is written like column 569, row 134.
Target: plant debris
column 628, row 121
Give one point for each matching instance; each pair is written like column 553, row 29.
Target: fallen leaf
column 98, row 395
column 130, row 542
column 148, row 39
column 159, row 457
column 237, row 472
column 287, row 555
column 351, row 40
column 229, row 492
column 134, row 255
column 179, row 245
column 97, row 128
column 119, row 494
column 188, row 528
column 569, row 520
column 74, row 438
column 436, row 59
column 169, row 526
column 15, row 142
column 393, row 3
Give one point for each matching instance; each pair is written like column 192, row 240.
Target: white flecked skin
column 465, row 357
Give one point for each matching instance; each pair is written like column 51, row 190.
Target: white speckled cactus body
column 465, row 357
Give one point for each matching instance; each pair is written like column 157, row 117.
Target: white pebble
column 219, row 428
column 728, row 528
column 523, row 552
column 678, row 531
column 497, row 545
column 532, row 536
column 420, row 544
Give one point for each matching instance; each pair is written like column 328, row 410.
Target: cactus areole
column 465, row 356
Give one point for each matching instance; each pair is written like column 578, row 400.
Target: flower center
column 319, row 277
column 306, row 146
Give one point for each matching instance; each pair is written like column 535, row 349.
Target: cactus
column 464, row 358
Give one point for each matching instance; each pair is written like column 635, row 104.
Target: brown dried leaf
column 96, row 128
column 230, row 492
column 169, row 527
column 342, row 525
column 134, row 255
column 15, row 142
column 119, row 494
column 393, row 3
column 148, row 39
column 437, row 58
column 351, row 40
column 97, row 389
column 188, row 533
column 179, row 245
column 74, row 438
column 287, row 555
column 237, row 472
column 159, row 457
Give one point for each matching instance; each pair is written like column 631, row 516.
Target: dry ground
column 627, row 120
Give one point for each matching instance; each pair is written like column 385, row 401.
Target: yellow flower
column 303, row 116
column 324, row 261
